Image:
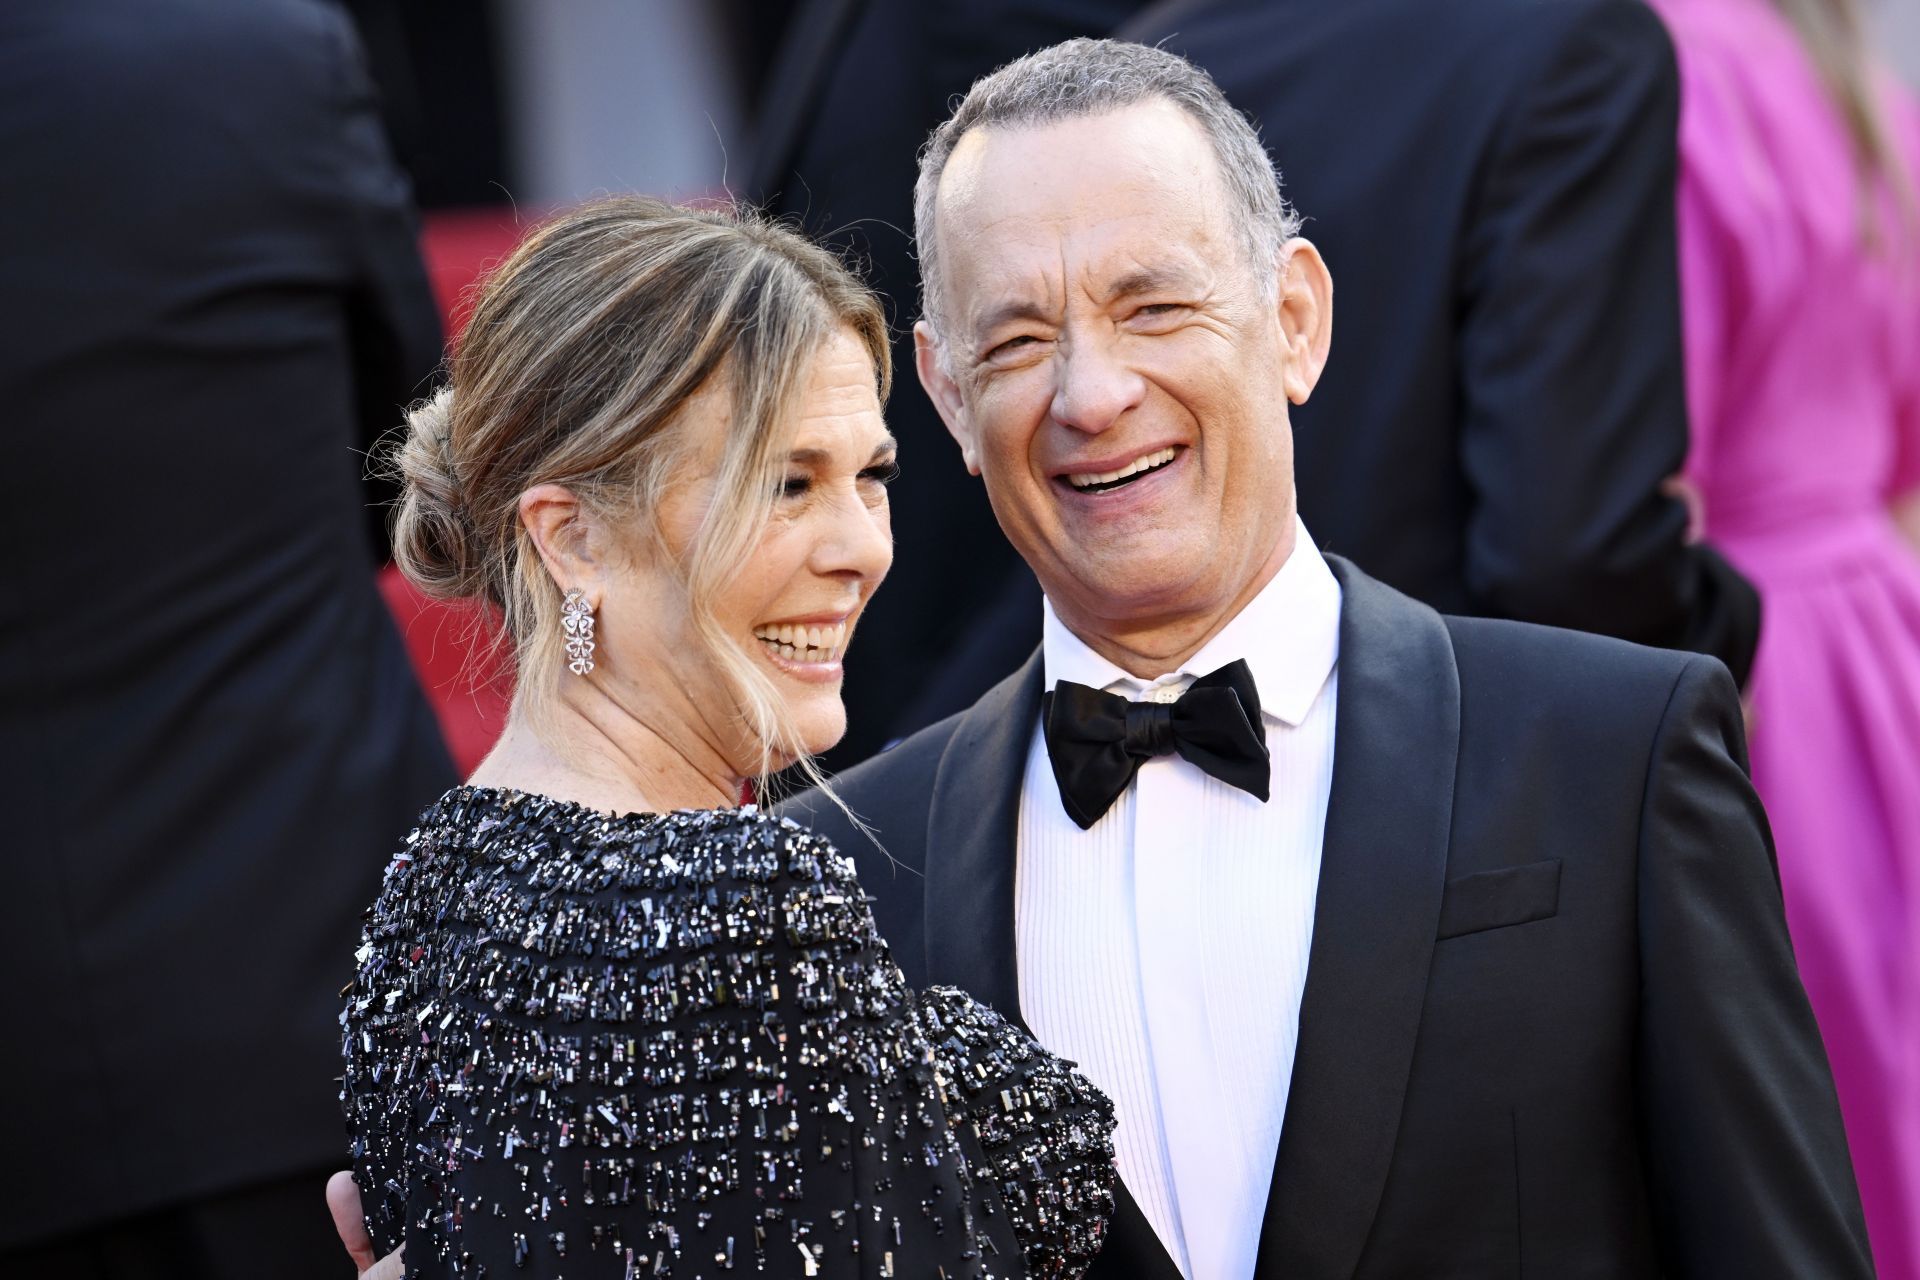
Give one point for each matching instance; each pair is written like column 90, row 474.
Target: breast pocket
column 1495, row 899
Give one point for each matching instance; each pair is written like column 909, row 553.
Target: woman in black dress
column 607, row 1022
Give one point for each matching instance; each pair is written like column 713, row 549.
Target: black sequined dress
column 590, row 1046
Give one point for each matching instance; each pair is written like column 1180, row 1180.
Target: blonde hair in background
column 1834, row 36
column 582, row 350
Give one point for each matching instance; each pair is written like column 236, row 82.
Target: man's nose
column 1094, row 387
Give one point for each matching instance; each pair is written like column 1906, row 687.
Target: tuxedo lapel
column 972, row 833
column 1382, row 876
column 1132, row 1250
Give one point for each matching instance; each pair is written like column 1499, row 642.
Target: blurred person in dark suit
column 1492, row 183
column 214, row 304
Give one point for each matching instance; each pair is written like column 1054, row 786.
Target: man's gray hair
column 1084, row 77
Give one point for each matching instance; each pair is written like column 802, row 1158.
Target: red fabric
column 448, row 646
column 461, row 246
column 448, row 643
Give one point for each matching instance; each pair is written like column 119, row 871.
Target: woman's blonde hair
column 1832, row 32
column 583, row 349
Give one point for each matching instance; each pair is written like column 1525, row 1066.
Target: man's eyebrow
column 1007, row 312
column 1147, row 280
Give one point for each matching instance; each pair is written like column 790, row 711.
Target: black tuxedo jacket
column 1492, row 184
column 1551, row 1024
column 211, row 739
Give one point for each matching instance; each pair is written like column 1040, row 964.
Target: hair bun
column 432, row 537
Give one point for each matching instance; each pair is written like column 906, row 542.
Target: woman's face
column 793, row 605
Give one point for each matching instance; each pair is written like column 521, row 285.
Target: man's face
column 1112, row 368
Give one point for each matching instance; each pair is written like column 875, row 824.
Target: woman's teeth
column 805, row 644
column 1100, row 479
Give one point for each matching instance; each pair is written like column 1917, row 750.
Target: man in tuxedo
column 1404, row 944
column 210, row 733
column 1492, row 182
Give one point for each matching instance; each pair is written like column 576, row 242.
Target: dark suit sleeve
column 1573, row 396
column 1742, row 1133
column 393, row 318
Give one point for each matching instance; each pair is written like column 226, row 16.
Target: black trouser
column 277, row 1229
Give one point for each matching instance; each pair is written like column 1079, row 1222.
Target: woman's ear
column 1306, row 317
column 568, row 539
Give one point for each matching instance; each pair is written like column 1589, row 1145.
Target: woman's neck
column 586, row 748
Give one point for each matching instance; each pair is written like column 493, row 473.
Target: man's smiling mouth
column 1101, row 481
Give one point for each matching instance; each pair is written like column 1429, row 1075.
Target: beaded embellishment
column 674, row 1045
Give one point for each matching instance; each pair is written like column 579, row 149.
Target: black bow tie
column 1097, row 740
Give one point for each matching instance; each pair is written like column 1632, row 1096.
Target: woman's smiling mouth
column 799, row 642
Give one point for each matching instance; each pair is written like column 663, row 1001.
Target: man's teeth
column 1089, row 479
column 805, row 644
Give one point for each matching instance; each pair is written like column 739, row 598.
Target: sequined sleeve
column 1041, row 1135
column 586, row 1046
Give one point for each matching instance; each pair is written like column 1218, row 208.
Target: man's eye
column 1012, row 345
column 1160, row 310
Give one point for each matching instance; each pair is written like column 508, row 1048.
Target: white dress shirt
column 1164, row 949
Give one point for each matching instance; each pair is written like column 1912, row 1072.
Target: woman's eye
column 883, row 474
column 795, row 486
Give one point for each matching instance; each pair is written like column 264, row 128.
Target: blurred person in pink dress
column 1800, row 277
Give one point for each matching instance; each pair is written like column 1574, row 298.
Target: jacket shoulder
column 1541, row 666
column 889, row 792
column 1544, row 22
column 1503, row 38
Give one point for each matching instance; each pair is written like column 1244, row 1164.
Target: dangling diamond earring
column 576, row 623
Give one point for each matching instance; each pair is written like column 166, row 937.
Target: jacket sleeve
column 1746, row 1155
column 393, row 318
column 1573, row 398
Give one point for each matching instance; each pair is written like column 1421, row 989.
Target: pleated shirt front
column 1165, row 948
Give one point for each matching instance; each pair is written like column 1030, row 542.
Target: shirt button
column 1164, row 693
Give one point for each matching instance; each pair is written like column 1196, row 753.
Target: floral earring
column 576, row 625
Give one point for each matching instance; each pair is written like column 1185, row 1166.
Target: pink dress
column 1803, row 368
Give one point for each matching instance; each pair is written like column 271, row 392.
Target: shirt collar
column 1289, row 636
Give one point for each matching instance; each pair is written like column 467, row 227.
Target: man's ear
column 944, row 392
column 566, row 537
column 1306, row 317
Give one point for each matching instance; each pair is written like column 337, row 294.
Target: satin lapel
column 972, row 827
column 1382, row 874
column 1132, row 1250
